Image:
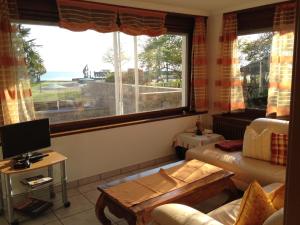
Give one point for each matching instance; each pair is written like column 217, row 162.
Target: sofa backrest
column 276, row 126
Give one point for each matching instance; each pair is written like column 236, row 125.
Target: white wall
column 95, row 152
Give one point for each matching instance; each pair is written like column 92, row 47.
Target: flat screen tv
column 25, row 137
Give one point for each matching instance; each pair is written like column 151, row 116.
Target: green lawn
column 40, row 92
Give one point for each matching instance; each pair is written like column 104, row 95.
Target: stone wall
column 98, row 100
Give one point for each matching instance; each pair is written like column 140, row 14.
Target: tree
column 162, row 56
column 109, row 57
column 255, row 55
column 34, row 62
column 257, row 50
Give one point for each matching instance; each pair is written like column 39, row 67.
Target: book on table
column 36, row 181
column 33, row 207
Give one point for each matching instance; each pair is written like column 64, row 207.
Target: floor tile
column 3, row 221
column 44, row 218
column 78, row 204
column 122, row 222
column 89, row 187
column 84, row 218
column 55, row 223
column 92, row 196
column 112, row 217
column 71, row 192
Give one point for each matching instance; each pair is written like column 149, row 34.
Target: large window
column 83, row 75
column 254, row 55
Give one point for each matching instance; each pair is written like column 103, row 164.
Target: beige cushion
column 257, row 145
column 246, row 169
column 177, row 214
column 274, row 125
column 275, row 219
column 228, row 213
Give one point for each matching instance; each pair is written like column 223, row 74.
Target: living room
column 123, row 144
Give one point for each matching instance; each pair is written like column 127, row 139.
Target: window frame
column 45, row 13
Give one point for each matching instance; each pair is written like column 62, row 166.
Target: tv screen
column 21, row 138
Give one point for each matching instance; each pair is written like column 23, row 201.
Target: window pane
column 162, row 62
column 254, row 54
column 82, row 75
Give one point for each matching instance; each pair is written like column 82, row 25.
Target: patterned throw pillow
column 257, row 145
column 277, row 197
column 279, row 144
column 255, row 207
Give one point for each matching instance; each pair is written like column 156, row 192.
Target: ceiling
column 196, row 7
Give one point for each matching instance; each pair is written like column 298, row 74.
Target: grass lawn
column 42, row 92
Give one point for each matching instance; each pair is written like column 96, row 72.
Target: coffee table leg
column 140, row 220
column 232, row 190
column 100, row 206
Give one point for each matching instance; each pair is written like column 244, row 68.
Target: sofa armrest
column 177, row 214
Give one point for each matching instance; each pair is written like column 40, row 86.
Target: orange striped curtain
column 280, row 77
column 80, row 16
column 199, row 67
column 16, row 103
column 142, row 22
column 229, row 90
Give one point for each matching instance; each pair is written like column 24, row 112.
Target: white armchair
column 177, row 214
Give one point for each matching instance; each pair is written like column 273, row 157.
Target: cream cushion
column 177, row 214
column 275, row 219
column 257, row 145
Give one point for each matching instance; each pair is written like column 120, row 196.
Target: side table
column 184, row 141
column 7, row 171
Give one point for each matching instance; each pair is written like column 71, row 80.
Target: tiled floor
column 82, row 209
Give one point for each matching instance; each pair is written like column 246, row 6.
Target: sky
column 66, row 51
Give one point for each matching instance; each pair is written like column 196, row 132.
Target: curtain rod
column 259, row 7
column 153, row 10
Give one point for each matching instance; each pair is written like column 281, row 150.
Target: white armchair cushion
column 177, row 214
column 274, row 125
column 228, row 213
column 257, row 145
column 275, row 219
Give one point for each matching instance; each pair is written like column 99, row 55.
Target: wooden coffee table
column 190, row 194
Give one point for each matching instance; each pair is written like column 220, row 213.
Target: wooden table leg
column 233, row 191
column 100, row 206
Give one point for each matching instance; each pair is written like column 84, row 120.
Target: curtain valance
column 142, row 22
column 81, row 15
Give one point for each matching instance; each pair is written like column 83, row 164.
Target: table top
column 203, row 183
column 53, row 158
column 190, row 140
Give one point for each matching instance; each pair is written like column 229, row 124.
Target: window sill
column 77, row 127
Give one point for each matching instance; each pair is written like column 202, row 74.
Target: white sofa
column 177, row 214
column 246, row 169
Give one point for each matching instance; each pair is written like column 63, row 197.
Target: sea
column 60, row 76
